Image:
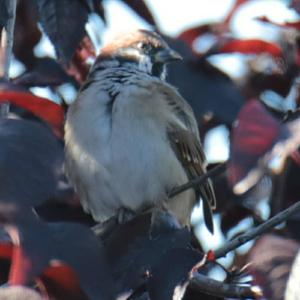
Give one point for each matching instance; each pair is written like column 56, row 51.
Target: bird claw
column 125, row 215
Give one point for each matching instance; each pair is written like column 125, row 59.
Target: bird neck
column 145, row 66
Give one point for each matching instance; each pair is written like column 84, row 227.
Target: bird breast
column 118, row 152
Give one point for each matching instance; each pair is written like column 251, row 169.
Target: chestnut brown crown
column 142, row 49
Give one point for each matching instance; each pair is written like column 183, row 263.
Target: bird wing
column 185, row 142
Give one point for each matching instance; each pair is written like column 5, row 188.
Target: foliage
column 48, row 243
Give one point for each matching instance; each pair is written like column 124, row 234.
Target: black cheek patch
column 157, row 69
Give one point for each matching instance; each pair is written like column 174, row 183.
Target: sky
column 175, row 16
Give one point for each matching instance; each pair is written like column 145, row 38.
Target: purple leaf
column 64, row 23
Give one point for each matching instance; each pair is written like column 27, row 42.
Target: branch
column 255, row 232
column 213, row 287
column 198, row 180
column 7, row 38
column 102, row 229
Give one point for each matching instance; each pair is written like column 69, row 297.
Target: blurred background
column 173, row 19
column 240, row 74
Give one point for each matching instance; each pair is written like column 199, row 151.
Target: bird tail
column 209, row 204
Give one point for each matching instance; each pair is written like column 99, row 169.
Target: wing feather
column 185, row 142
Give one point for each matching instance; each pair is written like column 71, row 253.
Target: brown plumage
column 130, row 136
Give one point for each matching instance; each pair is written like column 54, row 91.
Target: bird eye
column 143, row 46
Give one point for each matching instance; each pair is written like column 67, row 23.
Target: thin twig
column 213, row 287
column 4, row 109
column 7, row 38
column 102, row 229
column 257, row 231
column 198, row 180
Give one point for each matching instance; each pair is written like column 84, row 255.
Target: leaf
column 62, row 282
column 251, row 46
column 256, row 132
column 31, row 159
column 166, row 282
column 269, row 86
column 99, row 9
column 84, row 253
column 4, row 15
column 271, row 261
column 76, row 252
column 27, row 34
column 64, row 23
column 65, row 207
column 135, row 247
column 46, row 73
column 45, row 109
column 295, row 24
column 265, row 150
column 233, row 10
column 191, row 34
column 205, row 87
column 295, row 4
column 79, row 66
column 141, row 8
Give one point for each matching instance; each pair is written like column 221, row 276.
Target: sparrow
column 130, row 138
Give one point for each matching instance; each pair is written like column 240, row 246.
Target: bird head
column 141, row 49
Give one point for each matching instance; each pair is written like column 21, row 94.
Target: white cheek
column 145, row 63
column 163, row 75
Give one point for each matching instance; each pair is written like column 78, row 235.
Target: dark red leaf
column 260, row 143
column 5, row 250
column 47, row 249
column 79, row 66
column 255, row 134
column 295, row 4
column 295, row 24
column 62, row 282
column 191, row 34
column 64, row 24
column 233, row 10
column 59, row 281
column 45, row 109
column 271, row 260
column 252, row 46
column 22, row 267
column 141, row 8
column 27, row 33
column 46, row 73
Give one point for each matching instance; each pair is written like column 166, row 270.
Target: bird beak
column 167, row 55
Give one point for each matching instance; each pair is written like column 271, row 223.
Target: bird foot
column 125, row 215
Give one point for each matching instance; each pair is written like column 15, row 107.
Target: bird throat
column 159, row 70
